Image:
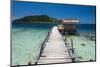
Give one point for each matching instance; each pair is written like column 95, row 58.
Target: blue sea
column 27, row 40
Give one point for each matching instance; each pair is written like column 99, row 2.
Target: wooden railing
column 70, row 49
column 43, row 45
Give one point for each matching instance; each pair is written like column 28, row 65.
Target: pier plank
column 55, row 50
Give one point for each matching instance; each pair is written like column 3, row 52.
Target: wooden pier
column 55, row 50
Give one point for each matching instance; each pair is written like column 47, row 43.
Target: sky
column 86, row 14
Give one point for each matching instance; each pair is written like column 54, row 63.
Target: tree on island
column 35, row 19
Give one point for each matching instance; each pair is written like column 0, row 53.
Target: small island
column 36, row 19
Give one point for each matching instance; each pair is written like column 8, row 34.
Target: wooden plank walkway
column 55, row 50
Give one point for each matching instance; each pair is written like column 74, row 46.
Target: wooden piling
column 54, row 50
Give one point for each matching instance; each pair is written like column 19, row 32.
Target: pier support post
column 73, row 59
column 72, row 46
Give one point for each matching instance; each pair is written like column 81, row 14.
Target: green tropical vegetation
column 36, row 18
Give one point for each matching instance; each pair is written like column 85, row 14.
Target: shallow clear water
column 26, row 43
column 84, row 47
column 27, row 40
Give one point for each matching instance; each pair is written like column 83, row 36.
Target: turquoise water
column 84, row 47
column 26, row 42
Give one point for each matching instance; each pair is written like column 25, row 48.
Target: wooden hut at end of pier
column 68, row 26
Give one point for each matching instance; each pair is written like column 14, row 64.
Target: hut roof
column 65, row 21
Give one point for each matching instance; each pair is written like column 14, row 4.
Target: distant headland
column 36, row 19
